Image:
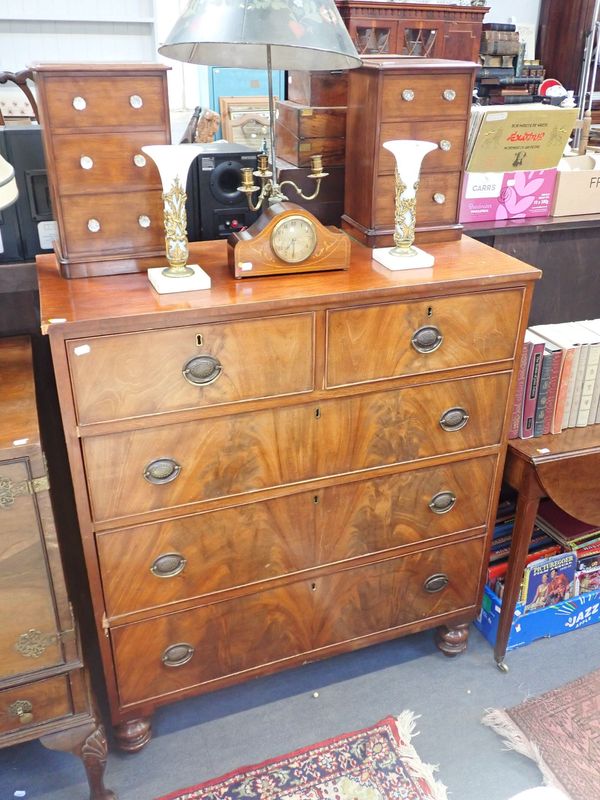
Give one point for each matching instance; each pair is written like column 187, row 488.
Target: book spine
column 571, row 387
column 495, row 72
column 517, row 412
column 578, row 383
column 588, row 385
column 532, row 385
column 563, row 387
column 540, row 406
column 557, row 357
column 498, row 26
column 595, row 399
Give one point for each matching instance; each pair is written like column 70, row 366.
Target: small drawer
column 119, row 223
column 191, row 367
column 421, row 336
column 177, row 465
column 134, row 102
column 448, row 135
column 290, row 623
column 35, row 703
column 153, row 565
column 408, row 97
column 96, row 162
column 437, row 199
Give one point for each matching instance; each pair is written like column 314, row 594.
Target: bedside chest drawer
column 192, row 367
column 133, row 101
column 117, row 222
column 196, row 556
column 421, row 337
column 449, row 135
column 91, row 163
column 29, row 705
column 437, row 199
column 175, row 465
column 185, row 649
column 419, row 96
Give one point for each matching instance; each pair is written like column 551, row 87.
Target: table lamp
column 8, row 184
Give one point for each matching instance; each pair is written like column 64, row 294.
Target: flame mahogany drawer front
column 177, row 465
column 27, row 706
column 132, row 101
column 197, row 556
column 191, row 367
column 177, row 651
column 428, row 335
column 422, row 96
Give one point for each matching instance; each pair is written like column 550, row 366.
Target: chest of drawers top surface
column 17, row 395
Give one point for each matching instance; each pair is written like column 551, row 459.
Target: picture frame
column 245, row 120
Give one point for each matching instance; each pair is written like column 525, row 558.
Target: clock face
column 294, row 239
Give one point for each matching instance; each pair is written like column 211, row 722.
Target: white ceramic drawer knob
column 445, row 145
column 439, row 198
column 135, row 101
column 449, row 95
column 139, row 160
column 79, row 103
column 408, row 95
column 144, row 221
column 86, row 162
column 93, row 225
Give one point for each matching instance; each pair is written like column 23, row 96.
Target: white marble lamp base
column 167, row 285
column 416, row 259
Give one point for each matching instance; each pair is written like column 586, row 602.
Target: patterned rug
column 377, row 763
column 560, row 731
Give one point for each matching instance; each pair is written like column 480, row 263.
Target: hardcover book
column 532, row 384
column 549, row 581
column 564, row 528
column 562, row 335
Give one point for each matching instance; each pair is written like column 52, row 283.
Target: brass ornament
column 34, row 643
column 9, row 490
column 176, row 241
column 23, row 710
column 405, row 218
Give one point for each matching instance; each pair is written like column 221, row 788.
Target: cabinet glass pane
column 418, row 41
column 372, row 40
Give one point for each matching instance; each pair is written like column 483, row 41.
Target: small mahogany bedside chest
column 281, row 469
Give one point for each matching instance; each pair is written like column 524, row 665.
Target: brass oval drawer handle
column 435, row 583
column 144, row 221
column 177, row 654
column 445, row 145
column 449, row 95
column 135, row 101
column 139, row 160
column 442, row 502
column 202, row 370
column 23, row 710
column 168, row 565
column 93, row 225
column 86, row 162
column 454, row 419
column 408, row 95
column 427, row 339
column 439, row 198
column 162, row 470
column 79, row 103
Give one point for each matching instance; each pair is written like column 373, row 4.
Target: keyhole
column 199, row 340
column 313, row 587
column 429, row 311
column 316, row 499
column 318, row 413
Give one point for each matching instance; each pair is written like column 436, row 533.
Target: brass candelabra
column 270, row 190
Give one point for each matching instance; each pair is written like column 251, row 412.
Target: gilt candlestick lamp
column 254, row 34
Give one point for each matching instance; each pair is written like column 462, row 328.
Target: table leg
column 528, row 501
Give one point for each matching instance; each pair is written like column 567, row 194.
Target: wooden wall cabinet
column 283, row 470
column 413, row 29
column 44, row 687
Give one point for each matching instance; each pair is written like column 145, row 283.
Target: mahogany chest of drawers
column 106, row 194
column 283, row 470
column 44, row 688
column 403, row 98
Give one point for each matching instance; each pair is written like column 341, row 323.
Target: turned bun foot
column 452, row 640
column 132, row 735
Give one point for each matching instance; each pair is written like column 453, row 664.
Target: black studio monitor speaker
column 215, row 208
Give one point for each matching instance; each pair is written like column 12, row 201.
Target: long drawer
column 175, row 465
column 128, row 375
column 34, row 703
column 449, row 135
column 437, row 199
column 420, row 337
column 197, row 556
column 193, row 648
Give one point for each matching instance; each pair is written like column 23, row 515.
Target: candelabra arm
column 300, row 192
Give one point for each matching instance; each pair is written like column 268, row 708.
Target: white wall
column 524, row 11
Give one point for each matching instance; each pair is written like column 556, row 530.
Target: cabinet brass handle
column 442, row 502
column 454, row 419
column 202, row 370
column 427, row 339
column 435, row 583
column 445, row 145
column 449, row 95
column 162, row 470
column 23, row 710
column 168, row 565
column 177, row 654
column 408, row 95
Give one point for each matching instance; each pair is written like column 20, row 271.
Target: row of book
column 503, row 76
column 563, row 559
column 558, row 381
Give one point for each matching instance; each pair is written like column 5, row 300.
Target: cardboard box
column 577, row 186
column 492, row 196
column 570, row 615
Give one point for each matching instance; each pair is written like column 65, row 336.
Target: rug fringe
column 406, row 724
column 514, row 739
